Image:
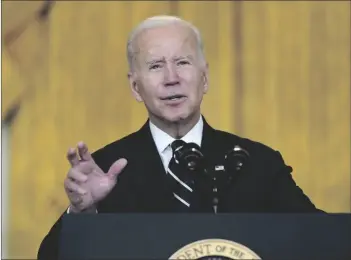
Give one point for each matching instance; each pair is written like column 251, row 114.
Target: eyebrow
column 177, row 58
column 154, row 60
column 190, row 57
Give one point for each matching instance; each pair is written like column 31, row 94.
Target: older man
column 169, row 74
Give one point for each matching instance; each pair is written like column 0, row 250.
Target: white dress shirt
column 163, row 140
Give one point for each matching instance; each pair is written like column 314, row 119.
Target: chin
column 178, row 117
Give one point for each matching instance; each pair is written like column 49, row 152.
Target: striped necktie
column 181, row 184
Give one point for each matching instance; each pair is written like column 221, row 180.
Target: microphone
column 190, row 157
column 235, row 162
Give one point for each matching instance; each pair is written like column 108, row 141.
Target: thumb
column 116, row 168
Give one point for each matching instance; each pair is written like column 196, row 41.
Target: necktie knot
column 175, row 145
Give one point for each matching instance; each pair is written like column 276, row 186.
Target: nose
column 171, row 77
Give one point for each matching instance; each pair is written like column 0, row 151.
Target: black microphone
column 235, row 162
column 224, row 175
column 190, row 157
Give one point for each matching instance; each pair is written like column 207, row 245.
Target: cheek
column 155, row 78
column 193, row 81
column 149, row 87
column 187, row 73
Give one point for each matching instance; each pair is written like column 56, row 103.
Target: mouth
column 174, row 100
column 173, row 97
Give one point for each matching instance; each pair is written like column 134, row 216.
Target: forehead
column 166, row 41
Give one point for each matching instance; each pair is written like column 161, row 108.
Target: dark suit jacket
column 266, row 187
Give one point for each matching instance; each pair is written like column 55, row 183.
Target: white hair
column 158, row 21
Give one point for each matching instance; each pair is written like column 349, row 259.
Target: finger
column 72, row 157
column 77, row 176
column 84, row 152
column 117, row 168
column 73, row 187
column 86, row 167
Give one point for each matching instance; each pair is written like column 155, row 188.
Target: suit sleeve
column 49, row 247
column 286, row 195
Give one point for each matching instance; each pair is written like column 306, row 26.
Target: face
column 169, row 75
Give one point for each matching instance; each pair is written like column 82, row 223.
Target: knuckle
column 69, row 173
column 85, row 166
column 79, row 166
column 72, row 172
column 76, row 174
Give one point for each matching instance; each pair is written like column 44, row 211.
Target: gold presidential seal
column 214, row 249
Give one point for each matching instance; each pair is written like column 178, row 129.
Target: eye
column 155, row 66
column 183, row 62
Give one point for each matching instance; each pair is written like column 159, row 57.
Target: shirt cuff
column 69, row 210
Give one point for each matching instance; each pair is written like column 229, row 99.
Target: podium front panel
column 159, row 236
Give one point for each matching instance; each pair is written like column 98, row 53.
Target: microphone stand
column 216, row 176
column 224, row 175
column 215, row 200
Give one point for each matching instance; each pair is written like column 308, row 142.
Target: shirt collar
column 162, row 139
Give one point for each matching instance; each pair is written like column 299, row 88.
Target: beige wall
column 279, row 74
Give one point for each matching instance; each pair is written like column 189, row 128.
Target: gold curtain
column 279, row 74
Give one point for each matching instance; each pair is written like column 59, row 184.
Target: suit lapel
column 211, row 145
column 215, row 144
column 152, row 180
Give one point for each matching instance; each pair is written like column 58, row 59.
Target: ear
column 205, row 79
column 133, row 83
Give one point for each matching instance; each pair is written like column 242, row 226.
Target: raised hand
column 86, row 184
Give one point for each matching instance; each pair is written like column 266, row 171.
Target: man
column 168, row 72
